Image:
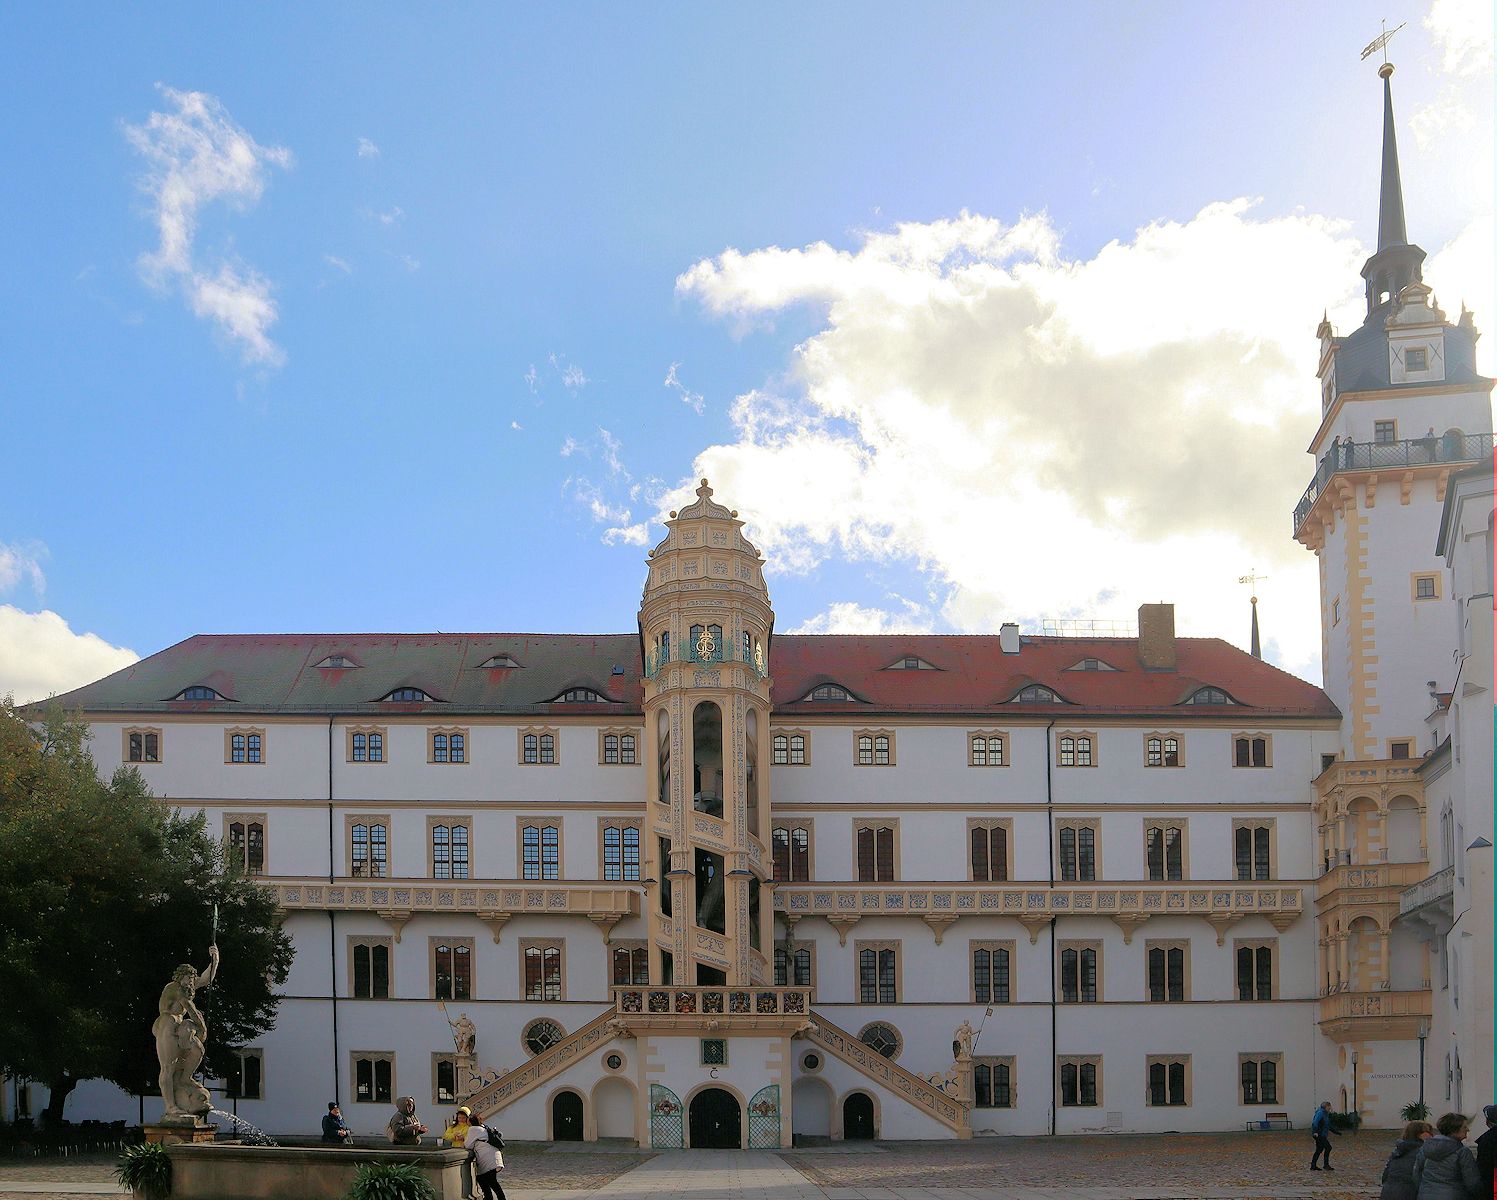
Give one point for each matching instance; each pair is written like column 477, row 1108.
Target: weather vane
column 1251, row 579
column 1381, row 41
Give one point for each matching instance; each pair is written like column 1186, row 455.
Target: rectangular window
column 875, row 748
column 1385, row 431
column 992, row 978
column 244, row 746
column 1260, row 1078
column 1169, row 1078
column 452, row 968
column 1075, row 749
column 1252, row 847
column 790, row 847
column 1255, row 970
column 1078, row 972
column 449, row 848
column 246, row 1075
column 993, row 1082
column 366, row 745
column 1079, row 1082
column 877, row 974
column 987, row 847
column 630, row 964
column 538, row 747
column 1164, row 850
column 1416, row 359
column 1078, row 852
column 1162, row 750
column 987, row 749
column 444, row 1079
column 620, row 852
column 370, row 965
column 616, row 747
column 1169, row 971
column 792, row 965
column 447, row 746
column 714, row 1052
column 542, row 970
column 540, row 851
column 1252, row 750
column 1400, row 749
column 143, row 745
column 1424, row 587
column 244, row 835
column 875, row 853
column 374, row 1077
column 368, row 847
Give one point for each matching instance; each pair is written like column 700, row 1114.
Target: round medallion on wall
column 614, row 1062
column 811, row 1062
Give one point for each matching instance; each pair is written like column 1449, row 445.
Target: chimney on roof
column 1008, row 637
column 1156, row 636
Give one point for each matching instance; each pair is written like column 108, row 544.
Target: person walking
column 1398, row 1174
column 1320, row 1130
column 1444, row 1168
column 488, row 1161
column 1486, row 1151
column 334, row 1129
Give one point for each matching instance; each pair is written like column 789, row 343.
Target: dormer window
column 1036, row 693
column 407, row 695
column 581, row 696
column 1416, row 359
column 828, row 691
column 198, row 692
column 337, row 662
column 1209, row 695
column 911, row 662
column 1091, row 664
column 499, row 660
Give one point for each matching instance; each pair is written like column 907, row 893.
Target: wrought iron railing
column 1370, row 456
column 657, row 658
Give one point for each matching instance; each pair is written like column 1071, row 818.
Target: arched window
column 829, row 691
column 407, row 695
column 1036, row 693
column 197, row 692
column 1209, row 695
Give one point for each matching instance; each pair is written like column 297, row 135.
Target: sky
column 386, row 318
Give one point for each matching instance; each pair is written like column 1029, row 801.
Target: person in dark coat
column 1486, row 1151
column 1398, row 1175
column 1444, row 1168
column 1320, row 1130
column 334, row 1130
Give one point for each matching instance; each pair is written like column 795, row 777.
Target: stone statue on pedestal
column 181, row 1034
column 464, row 1034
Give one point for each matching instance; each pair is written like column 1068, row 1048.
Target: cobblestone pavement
column 1243, row 1162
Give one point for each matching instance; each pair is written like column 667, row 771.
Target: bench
column 1272, row 1120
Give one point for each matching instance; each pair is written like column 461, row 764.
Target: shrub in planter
column 390, row 1181
column 1414, row 1111
column 146, row 1170
column 1343, row 1121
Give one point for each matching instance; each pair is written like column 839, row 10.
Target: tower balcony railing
column 1449, row 447
column 657, row 659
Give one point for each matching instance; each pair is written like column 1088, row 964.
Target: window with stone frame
column 993, row 1080
column 1165, row 848
column 1256, row 964
column 794, row 964
column 451, row 839
column 1080, row 1080
column 246, row 1077
column 541, row 968
column 451, row 968
column 142, row 745
column 992, row 971
column 790, row 748
column 878, row 972
column 987, row 748
column 368, row 841
column 877, row 847
column 538, row 747
column 449, row 746
column 365, row 744
column 540, row 848
column 244, row 840
column 790, row 851
column 989, row 845
column 1252, row 750
column 244, row 746
column 1169, row 1080
column 444, row 1085
column 1261, row 1078
column 373, row 1076
column 1077, row 844
column 1253, row 849
column 1076, row 748
column 1167, row 971
column 629, row 963
column 616, row 747
column 620, row 844
column 1081, row 972
column 369, row 968
column 1163, row 750
column 874, row 747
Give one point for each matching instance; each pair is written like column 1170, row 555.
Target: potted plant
column 390, row 1181
column 1415, row 1111
column 146, row 1170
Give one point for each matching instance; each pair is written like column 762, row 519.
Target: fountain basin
column 224, row 1171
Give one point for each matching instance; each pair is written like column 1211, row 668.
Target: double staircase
column 721, row 1012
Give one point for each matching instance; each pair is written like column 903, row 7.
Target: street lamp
column 1354, row 1081
column 1423, row 1033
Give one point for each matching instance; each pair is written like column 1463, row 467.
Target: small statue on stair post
column 181, row 1034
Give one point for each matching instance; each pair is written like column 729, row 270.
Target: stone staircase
column 530, row 1074
column 921, row 1093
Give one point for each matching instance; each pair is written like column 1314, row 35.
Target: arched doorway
column 715, row 1121
column 857, row 1118
column 566, row 1117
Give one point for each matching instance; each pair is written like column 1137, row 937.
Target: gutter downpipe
column 332, row 921
column 1050, row 841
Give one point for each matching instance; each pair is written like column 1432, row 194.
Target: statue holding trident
column 181, row 1035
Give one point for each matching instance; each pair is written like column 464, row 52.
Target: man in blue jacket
column 1320, row 1129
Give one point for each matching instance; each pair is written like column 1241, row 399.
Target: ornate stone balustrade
column 1347, row 876
column 1353, row 1016
column 921, row 1093
column 1034, row 904
column 729, row 1009
column 397, row 900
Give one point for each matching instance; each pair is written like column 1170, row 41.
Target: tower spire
column 1391, row 229
column 1257, row 645
column 1397, row 263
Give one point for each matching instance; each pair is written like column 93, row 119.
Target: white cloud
column 1462, row 31
column 516, row 425
column 393, row 216
column 530, row 378
column 1044, row 435
column 40, row 655
column 367, row 149
column 340, row 264
column 197, row 155
column 570, row 447
column 19, row 563
column 692, row 400
column 851, row 617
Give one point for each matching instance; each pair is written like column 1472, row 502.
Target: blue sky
column 476, row 228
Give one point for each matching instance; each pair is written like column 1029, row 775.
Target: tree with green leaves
column 104, row 890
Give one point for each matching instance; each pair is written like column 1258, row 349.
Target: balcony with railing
column 657, row 659
column 1348, row 1015
column 1450, row 448
column 1430, row 902
column 726, row 1008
